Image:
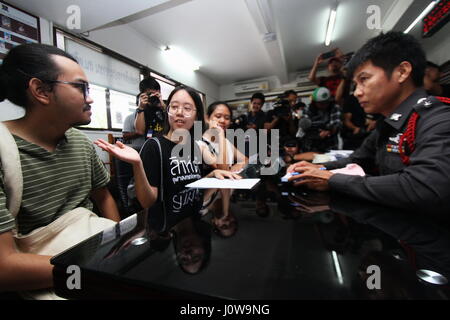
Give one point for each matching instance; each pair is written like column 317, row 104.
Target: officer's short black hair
column 388, row 50
column 290, row 142
column 258, row 95
column 149, row 83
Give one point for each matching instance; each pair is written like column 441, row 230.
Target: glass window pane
column 166, row 89
column 99, row 119
column 121, row 105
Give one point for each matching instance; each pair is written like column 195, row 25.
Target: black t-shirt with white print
column 178, row 171
column 154, row 120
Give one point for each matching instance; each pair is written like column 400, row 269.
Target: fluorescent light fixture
column 262, row 15
column 180, row 59
column 330, row 27
column 420, row 17
column 337, row 267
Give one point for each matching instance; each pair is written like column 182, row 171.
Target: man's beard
column 87, row 107
column 81, row 123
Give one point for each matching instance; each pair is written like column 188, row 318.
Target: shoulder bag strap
column 210, row 146
column 161, row 186
column 12, row 170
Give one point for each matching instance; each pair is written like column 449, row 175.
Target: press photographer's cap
column 290, row 142
column 321, row 94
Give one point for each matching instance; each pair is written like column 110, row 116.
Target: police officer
column 410, row 147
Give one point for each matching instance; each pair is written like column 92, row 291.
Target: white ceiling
column 303, row 27
column 220, row 34
column 226, row 36
column 94, row 13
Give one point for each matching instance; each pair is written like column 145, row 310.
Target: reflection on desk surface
column 311, row 246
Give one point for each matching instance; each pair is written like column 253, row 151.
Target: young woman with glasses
column 184, row 108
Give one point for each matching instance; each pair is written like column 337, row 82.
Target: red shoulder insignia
column 444, row 100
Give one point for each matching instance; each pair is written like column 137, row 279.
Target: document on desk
column 214, row 183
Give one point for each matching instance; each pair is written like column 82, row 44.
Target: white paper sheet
column 213, row 183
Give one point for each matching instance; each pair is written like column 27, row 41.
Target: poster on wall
column 16, row 27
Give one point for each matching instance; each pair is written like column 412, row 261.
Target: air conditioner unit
column 240, row 88
column 302, row 79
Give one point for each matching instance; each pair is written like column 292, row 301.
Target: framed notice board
column 16, row 27
column 436, row 18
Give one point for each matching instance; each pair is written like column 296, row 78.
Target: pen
column 286, row 177
column 297, row 173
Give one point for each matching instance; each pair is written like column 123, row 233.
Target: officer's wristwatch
column 140, row 110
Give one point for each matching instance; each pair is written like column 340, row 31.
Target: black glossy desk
column 300, row 251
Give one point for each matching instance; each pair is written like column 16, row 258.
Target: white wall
column 275, row 86
column 130, row 43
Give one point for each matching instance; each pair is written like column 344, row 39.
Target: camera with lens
column 312, row 127
column 282, row 107
column 240, row 122
column 152, row 100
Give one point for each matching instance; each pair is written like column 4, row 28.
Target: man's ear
column 403, row 71
column 39, row 90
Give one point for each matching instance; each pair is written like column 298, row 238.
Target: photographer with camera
column 321, row 122
column 281, row 118
column 150, row 113
column 240, row 122
column 335, row 76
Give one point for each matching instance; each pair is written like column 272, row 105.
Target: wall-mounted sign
column 436, row 18
column 16, row 27
column 104, row 70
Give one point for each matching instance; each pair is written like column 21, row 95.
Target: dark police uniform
column 424, row 184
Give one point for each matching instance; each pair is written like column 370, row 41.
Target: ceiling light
column 180, row 59
column 262, row 15
column 330, row 28
column 424, row 12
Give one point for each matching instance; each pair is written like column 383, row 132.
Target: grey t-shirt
column 128, row 126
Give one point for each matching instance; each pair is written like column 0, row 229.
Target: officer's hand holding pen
column 312, row 176
column 301, row 165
